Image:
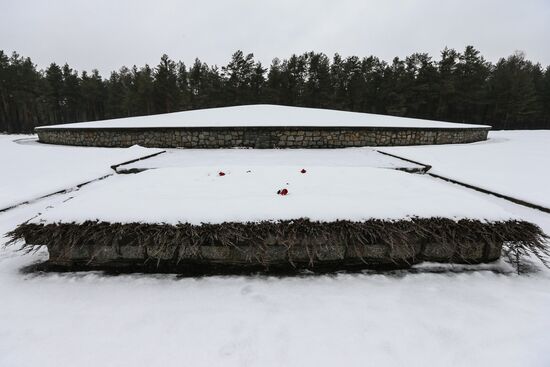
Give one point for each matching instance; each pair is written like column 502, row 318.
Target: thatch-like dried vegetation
column 295, row 244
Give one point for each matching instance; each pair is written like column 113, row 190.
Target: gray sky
column 106, row 34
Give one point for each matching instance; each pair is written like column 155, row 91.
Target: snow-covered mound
column 264, row 116
column 242, row 194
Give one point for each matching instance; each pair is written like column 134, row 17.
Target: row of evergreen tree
column 514, row 93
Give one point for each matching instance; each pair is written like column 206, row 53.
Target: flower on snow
column 282, row 192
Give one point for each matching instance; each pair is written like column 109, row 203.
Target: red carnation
column 303, row 171
column 221, row 173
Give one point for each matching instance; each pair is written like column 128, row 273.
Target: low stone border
column 259, row 137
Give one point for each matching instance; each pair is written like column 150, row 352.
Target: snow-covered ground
column 30, row 170
column 513, row 163
column 88, row 319
column 347, row 157
column 200, row 195
column 477, row 318
column 264, row 115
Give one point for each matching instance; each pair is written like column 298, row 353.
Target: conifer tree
column 511, row 86
column 166, row 85
column 460, row 87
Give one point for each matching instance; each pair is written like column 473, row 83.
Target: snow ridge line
column 489, row 192
column 78, row 186
column 24, row 139
column 428, row 167
column 425, row 167
column 115, row 166
column 63, row 191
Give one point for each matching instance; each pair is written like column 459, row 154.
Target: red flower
column 221, row 173
column 303, row 171
column 282, row 192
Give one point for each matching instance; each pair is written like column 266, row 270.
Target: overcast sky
column 106, row 34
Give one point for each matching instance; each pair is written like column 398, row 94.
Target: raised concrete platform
column 284, row 246
column 262, row 126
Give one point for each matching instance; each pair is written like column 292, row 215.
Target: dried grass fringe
column 520, row 238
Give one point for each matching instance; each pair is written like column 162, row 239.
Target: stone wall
column 259, row 137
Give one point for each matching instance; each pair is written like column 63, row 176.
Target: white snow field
column 466, row 319
column 249, row 194
column 31, row 170
column 264, row 115
column 489, row 317
column 513, row 163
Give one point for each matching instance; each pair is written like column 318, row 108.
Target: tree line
column 514, row 93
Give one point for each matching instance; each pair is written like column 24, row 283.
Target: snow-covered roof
column 263, row 115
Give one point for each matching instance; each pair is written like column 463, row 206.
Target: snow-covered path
column 346, row 157
column 513, row 163
column 30, row 170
